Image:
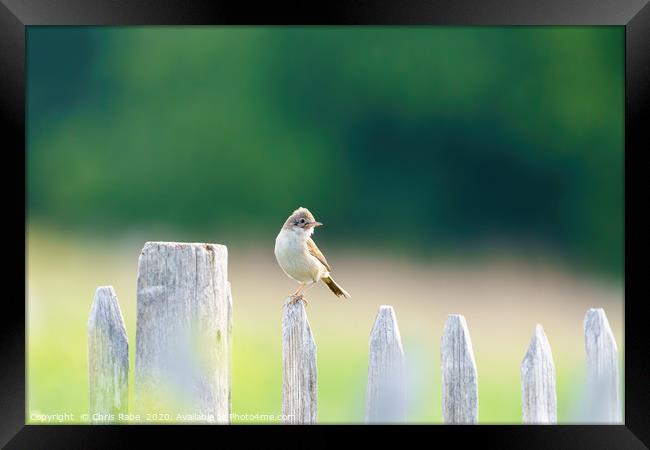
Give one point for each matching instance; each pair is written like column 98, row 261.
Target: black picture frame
column 16, row 15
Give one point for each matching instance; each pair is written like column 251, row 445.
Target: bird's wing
column 316, row 253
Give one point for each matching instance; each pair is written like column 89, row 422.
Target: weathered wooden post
column 459, row 378
column 108, row 358
column 299, row 381
column 385, row 397
column 538, row 397
column 602, row 368
column 183, row 336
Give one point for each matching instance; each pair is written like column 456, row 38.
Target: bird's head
column 301, row 221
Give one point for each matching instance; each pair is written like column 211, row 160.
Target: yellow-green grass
column 502, row 301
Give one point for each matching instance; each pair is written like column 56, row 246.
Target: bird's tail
column 338, row 290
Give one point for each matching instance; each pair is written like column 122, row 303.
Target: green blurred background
column 457, row 170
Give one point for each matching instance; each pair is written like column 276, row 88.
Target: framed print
column 342, row 217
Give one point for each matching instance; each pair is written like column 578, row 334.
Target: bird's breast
column 294, row 258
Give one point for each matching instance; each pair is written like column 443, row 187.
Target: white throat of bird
column 302, row 232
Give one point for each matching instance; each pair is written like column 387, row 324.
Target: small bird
column 300, row 258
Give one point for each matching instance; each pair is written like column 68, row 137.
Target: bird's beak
column 315, row 224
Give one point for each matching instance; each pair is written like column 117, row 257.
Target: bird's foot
column 298, row 297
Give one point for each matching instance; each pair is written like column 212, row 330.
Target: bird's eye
column 302, row 220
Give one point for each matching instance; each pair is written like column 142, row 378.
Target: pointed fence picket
column 108, row 358
column 299, row 380
column 602, row 369
column 538, row 397
column 385, row 397
column 459, row 376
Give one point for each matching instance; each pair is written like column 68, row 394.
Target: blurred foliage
column 426, row 138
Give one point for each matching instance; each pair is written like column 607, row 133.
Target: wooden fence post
column 459, row 378
column 183, row 336
column 602, row 368
column 108, row 358
column 385, row 397
column 229, row 347
column 538, row 397
column 299, row 380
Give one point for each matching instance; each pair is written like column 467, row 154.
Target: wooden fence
column 183, row 354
